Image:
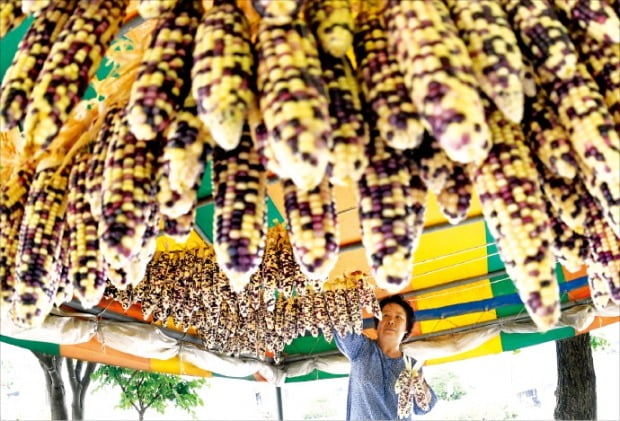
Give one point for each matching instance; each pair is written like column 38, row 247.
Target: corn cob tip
column 512, row 104
column 544, row 312
column 226, row 127
column 339, row 41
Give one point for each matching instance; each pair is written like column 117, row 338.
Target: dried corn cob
column 64, row 292
column 606, row 196
column 13, row 197
column 277, row 12
column 492, row 46
column 439, row 75
column 332, row 23
column 569, row 247
column 604, row 247
column 263, row 142
column 515, row 212
column 94, row 176
column 34, row 6
column 603, row 61
column 386, row 216
column 433, row 165
column 222, row 73
column 546, row 137
column 455, row 197
column 127, row 185
column 565, row 198
column 240, row 210
column 185, row 152
column 416, row 201
column 293, row 100
column 31, row 53
column 544, row 37
column 313, row 228
column 528, row 80
column 383, row 85
column 181, row 227
column 154, row 9
column 40, row 235
column 402, row 387
column 69, row 66
column 163, row 77
column 599, row 287
column 349, row 135
column 595, row 17
column 11, row 16
column 85, row 264
column 583, row 114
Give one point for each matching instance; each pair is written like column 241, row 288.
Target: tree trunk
column 79, row 379
column 51, row 365
column 576, row 388
column 141, row 415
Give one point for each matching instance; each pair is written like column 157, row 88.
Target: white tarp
column 150, row 341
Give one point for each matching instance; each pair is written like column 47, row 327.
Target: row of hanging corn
column 187, row 290
column 519, row 99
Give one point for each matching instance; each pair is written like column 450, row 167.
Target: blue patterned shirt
column 371, row 394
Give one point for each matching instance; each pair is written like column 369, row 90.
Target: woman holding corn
column 377, row 365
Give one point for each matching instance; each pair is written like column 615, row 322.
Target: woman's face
column 393, row 324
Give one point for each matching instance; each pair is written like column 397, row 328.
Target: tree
column 576, row 387
column 79, row 374
column 143, row 390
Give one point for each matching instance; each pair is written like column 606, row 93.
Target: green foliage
column 598, row 343
column 447, row 387
column 142, row 390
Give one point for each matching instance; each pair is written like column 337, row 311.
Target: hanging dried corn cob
column 154, row 9
column 349, row 135
column 277, row 12
column 416, row 201
column 40, row 236
column 383, row 85
column 163, row 77
column 186, row 148
column 263, row 142
column 544, row 37
column 599, row 287
column 515, row 212
column 583, row 114
column 313, row 227
column 179, row 228
column 127, row 186
column 94, row 176
column 239, row 182
column 604, row 247
column 386, row 216
column 603, row 61
column 13, row 197
column 287, row 266
column 546, row 137
column 439, row 75
column 332, row 24
column 222, row 73
column 64, row 292
column 595, row 17
column 565, row 198
column 492, row 46
column 433, row 165
column 11, row 16
column 34, row 6
column 607, row 197
column 85, row 264
column 455, row 197
column 402, row 387
column 69, row 66
column 32, row 52
column 293, row 101
column 569, row 247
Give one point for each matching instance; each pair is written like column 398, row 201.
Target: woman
column 375, row 365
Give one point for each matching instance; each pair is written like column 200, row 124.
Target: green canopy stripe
column 45, row 347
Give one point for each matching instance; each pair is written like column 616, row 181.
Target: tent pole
column 279, row 403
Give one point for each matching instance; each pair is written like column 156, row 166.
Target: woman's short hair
column 397, row 299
